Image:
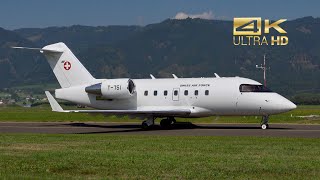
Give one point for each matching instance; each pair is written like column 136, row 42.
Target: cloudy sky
column 43, row 13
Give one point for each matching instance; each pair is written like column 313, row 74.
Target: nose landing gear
column 264, row 122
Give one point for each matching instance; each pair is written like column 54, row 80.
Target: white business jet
column 153, row 98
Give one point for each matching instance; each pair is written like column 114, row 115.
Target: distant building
column 27, row 105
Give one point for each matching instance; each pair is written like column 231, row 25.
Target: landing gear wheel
column 167, row 123
column 145, row 125
column 173, row 121
column 163, row 122
column 264, row 126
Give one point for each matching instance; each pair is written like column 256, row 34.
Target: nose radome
column 291, row 105
column 283, row 104
column 288, row 105
column 275, row 103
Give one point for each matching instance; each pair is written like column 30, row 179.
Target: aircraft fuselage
column 205, row 96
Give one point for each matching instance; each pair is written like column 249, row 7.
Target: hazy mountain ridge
column 188, row 48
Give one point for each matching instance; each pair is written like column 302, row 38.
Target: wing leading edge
column 154, row 111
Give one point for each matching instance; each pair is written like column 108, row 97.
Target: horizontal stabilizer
column 39, row 49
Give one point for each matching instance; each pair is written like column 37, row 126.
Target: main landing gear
column 148, row 123
column 264, row 122
column 167, row 123
column 164, row 123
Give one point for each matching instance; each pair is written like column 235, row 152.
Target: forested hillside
column 188, row 48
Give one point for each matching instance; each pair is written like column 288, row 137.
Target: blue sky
column 43, row 13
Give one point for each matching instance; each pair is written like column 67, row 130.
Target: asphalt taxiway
column 180, row 129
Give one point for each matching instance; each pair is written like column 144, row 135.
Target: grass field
column 28, row 156
column 44, row 113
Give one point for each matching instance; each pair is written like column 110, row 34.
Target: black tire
column 145, row 126
column 165, row 123
column 173, row 121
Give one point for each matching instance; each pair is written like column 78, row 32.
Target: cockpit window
column 253, row 88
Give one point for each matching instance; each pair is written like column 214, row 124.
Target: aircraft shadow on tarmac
column 176, row 126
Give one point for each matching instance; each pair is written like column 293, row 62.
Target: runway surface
column 180, row 129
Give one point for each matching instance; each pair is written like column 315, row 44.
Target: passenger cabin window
column 196, row 92
column 175, row 93
column 206, row 92
column 186, row 92
column 155, row 93
column 146, row 93
column 253, row 88
column 165, row 93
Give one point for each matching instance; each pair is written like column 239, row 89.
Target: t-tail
column 66, row 67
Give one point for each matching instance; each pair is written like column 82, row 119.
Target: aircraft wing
column 154, row 111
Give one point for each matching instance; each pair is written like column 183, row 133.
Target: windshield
column 253, row 88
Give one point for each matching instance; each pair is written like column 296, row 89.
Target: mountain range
column 187, row 48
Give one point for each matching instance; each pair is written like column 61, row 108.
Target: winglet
column 174, row 76
column 53, row 103
column 152, row 77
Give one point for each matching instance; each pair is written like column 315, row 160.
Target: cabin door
column 175, row 94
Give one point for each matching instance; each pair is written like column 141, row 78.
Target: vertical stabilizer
column 66, row 67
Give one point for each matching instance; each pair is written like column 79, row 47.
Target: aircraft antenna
column 264, row 68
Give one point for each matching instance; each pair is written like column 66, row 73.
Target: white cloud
column 204, row 15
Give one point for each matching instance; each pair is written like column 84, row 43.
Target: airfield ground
column 179, row 129
column 132, row 154
column 32, row 156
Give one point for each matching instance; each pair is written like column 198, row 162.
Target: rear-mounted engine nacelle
column 113, row 89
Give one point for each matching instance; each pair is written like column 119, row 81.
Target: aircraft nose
column 281, row 104
column 288, row 105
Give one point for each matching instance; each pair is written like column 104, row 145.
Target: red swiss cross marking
column 67, row 65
